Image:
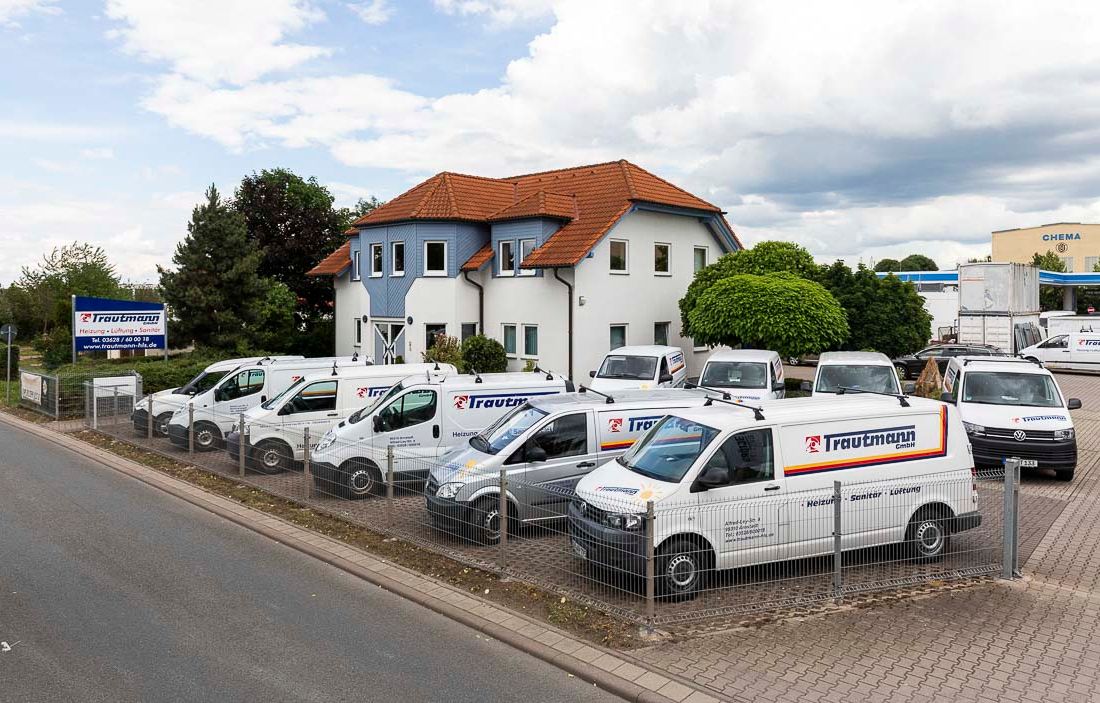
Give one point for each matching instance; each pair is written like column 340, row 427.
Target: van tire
column 160, row 424
column 902, row 372
column 362, row 479
column 928, row 536
column 1064, row 474
column 207, row 436
column 483, row 520
column 683, row 567
column 271, row 457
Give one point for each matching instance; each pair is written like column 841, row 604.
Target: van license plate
column 579, row 550
column 1029, row 463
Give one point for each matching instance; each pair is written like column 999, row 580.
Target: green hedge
column 4, row 360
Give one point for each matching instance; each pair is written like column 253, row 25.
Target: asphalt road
column 113, row 591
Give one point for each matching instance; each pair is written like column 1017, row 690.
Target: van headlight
column 971, row 428
column 449, row 490
column 625, row 521
column 1064, row 434
column 327, row 440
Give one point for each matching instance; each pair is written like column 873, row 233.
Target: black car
column 911, row 365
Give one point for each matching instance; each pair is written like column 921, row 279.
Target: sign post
column 100, row 324
column 8, row 331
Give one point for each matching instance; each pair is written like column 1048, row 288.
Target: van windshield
column 368, row 409
column 669, row 449
column 634, row 368
column 734, row 374
column 275, row 401
column 501, row 433
column 863, row 377
column 201, row 383
column 999, row 388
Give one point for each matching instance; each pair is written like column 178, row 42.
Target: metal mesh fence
column 644, row 557
column 66, row 395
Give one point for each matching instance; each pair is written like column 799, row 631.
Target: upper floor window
column 660, row 258
column 435, row 258
column 375, row 260
column 700, row 258
column 618, row 255
column 355, row 271
column 398, row 256
column 507, row 266
column 660, row 333
column 526, row 246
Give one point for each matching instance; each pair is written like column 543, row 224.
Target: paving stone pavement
column 1035, row 639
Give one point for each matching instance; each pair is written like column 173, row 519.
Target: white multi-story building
column 559, row 266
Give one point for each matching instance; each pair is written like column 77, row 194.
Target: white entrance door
column 389, row 335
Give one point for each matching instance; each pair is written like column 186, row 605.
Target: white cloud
column 842, row 125
column 51, row 132
column 212, row 41
column 98, row 153
column 12, row 10
column 372, row 12
column 348, row 194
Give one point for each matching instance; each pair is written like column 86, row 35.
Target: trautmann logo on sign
column 102, row 323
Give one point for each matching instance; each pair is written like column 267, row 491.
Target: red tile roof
column 589, row 199
column 483, row 256
column 334, row 263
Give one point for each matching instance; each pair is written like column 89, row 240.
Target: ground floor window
column 530, row 340
column 431, row 332
column 618, row 336
column 469, row 329
column 510, row 340
column 660, row 333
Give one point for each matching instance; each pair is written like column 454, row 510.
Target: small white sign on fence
column 31, row 387
column 105, row 387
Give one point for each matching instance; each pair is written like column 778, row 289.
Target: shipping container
column 998, row 288
column 1009, row 333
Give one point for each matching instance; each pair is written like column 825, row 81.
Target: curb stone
column 542, row 641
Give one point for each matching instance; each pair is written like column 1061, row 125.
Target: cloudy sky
column 860, row 130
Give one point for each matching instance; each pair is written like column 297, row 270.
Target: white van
column 276, row 429
column 747, row 374
column 218, row 409
column 1076, row 351
column 862, row 371
column 730, row 490
column 422, row 419
column 642, row 367
column 546, row 445
column 1013, row 408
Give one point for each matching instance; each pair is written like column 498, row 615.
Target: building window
column 526, row 246
column 507, row 265
column 1067, row 262
column 375, row 260
column 618, row 256
column 431, row 332
column 618, row 336
column 1090, row 263
column 510, row 340
column 660, row 333
column 435, row 258
column 355, row 270
column 660, row 258
column 530, row 340
column 397, row 254
column 469, row 329
column 700, row 258
column 358, row 331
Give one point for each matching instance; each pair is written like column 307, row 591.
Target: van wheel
column 1064, row 474
column 682, row 569
column 207, row 436
column 902, row 372
column 928, row 535
column 484, row 520
column 362, row 479
column 271, row 457
column 160, row 424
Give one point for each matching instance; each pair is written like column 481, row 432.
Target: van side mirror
column 1073, row 404
column 376, row 423
column 534, row 453
column 807, row 386
column 947, row 397
column 591, row 374
column 263, row 398
column 285, row 410
column 778, row 386
column 712, row 477
column 665, row 378
column 909, row 387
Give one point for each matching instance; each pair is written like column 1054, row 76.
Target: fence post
column 1010, row 518
column 242, row 448
column 114, row 421
column 95, row 405
column 191, row 428
column 838, row 555
column 305, row 453
column 650, row 567
column 502, row 519
column 149, row 419
column 389, row 484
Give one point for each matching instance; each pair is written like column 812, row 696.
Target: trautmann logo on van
column 473, row 401
column 904, row 437
column 634, row 424
column 1089, row 343
column 371, row 392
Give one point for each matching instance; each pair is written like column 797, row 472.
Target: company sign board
column 101, row 323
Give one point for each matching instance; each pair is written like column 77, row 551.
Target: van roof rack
column 477, row 376
column 725, row 394
column 549, row 376
column 586, row 389
column 756, row 411
column 902, row 398
column 1003, row 360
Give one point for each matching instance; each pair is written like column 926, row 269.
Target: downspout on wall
column 480, row 302
column 569, row 286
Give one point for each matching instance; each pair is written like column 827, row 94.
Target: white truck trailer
column 999, row 305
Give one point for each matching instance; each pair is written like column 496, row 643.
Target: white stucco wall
column 449, row 301
column 352, row 302
column 640, row 297
column 530, row 300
